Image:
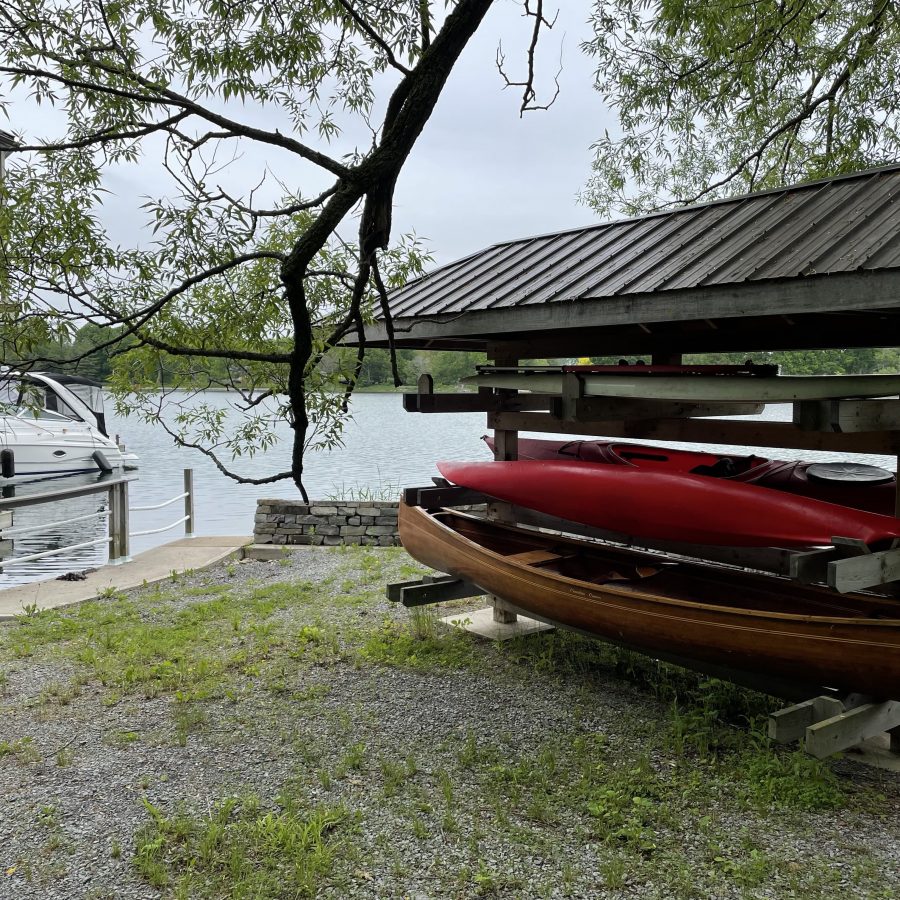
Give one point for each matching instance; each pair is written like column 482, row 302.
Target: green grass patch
column 415, row 645
column 154, row 647
column 240, row 850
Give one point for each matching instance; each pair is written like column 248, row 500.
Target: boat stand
column 497, row 623
column 827, row 725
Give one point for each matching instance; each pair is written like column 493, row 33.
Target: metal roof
column 849, row 224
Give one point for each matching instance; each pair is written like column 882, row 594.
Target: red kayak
column 666, row 506
column 846, row 483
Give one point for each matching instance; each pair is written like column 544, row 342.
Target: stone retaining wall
column 328, row 522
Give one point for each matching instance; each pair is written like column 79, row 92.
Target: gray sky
column 479, row 173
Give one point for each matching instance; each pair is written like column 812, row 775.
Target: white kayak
column 701, row 388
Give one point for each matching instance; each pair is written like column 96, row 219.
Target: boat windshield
column 27, row 399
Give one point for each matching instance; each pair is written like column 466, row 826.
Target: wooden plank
column 860, row 572
column 790, row 724
column 431, row 589
column 851, row 727
column 847, row 415
column 709, row 431
column 534, row 557
column 587, row 409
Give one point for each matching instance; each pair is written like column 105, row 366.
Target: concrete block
column 481, row 622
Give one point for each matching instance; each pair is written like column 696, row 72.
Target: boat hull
column 790, row 476
column 47, row 450
column 720, row 617
column 664, row 506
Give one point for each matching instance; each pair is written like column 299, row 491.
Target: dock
column 183, row 555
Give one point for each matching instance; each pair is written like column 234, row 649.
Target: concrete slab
column 876, row 752
column 481, row 622
column 151, row 565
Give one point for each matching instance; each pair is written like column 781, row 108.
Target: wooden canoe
column 724, row 617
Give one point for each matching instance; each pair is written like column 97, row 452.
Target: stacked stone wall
column 326, row 522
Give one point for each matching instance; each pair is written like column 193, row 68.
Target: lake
column 384, row 449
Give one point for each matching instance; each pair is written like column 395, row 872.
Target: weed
column 396, row 644
column 240, row 849
column 22, row 749
column 354, row 758
column 188, row 718
column 115, row 849
column 64, row 757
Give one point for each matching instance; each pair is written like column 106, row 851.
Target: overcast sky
column 479, row 173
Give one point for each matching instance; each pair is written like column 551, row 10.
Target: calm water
column 384, row 449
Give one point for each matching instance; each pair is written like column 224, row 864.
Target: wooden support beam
column 847, row 415
column 589, row 409
column 431, row 589
column 709, row 431
column 475, row 402
column 864, row 571
column 846, row 729
column 790, row 724
column 433, row 497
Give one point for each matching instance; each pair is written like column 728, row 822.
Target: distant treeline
column 448, row 367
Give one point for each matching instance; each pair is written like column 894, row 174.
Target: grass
column 648, row 805
column 241, row 849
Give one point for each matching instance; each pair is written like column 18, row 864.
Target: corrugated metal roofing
column 836, row 225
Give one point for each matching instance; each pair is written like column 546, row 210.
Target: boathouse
column 810, row 266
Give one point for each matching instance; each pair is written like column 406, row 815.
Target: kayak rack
column 847, row 565
column 828, row 724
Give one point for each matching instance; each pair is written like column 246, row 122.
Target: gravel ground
column 472, row 771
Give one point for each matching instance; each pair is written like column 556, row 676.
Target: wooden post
column 666, row 359
column 189, row 502
column 118, row 523
column 506, row 447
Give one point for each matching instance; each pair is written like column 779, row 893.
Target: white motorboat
column 55, row 425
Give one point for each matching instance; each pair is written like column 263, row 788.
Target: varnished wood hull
column 723, row 617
